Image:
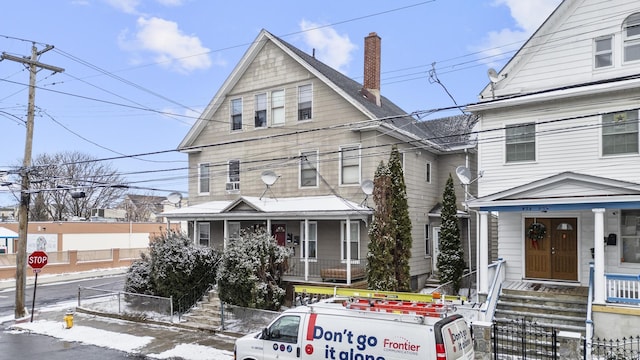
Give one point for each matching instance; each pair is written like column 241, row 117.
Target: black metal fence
column 618, row 349
column 521, row 339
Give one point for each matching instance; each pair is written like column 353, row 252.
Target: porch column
column 306, row 249
column 195, row 231
column 225, row 234
column 598, row 257
column 348, row 251
column 483, row 254
column 269, row 227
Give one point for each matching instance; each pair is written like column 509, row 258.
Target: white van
column 361, row 330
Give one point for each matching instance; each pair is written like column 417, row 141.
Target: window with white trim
column 520, row 142
column 427, row 240
column 309, row 168
column 631, row 37
column 603, row 47
column 630, row 235
column 204, row 234
column 277, row 107
column 233, row 230
column 261, row 111
column 305, row 101
column 350, row 165
column 233, row 175
column 313, row 240
column 236, row 114
column 354, row 243
column 203, row 178
column 620, row 133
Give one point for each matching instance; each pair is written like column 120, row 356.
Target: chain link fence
column 126, row 304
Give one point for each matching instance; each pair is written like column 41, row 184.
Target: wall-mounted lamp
column 564, row 227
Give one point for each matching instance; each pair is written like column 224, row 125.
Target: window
column 203, row 177
column 261, row 111
column 521, row 142
column 233, row 230
column 277, row 107
column 204, row 234
column 428, row 172
column 427, row 245
column 630, row 235
column 305, row 95
column 313, row 240
column 354, row 243
column 603, row 51
column 236, row 114
column 233, row 175
column 350, row 165
column 631, row 35
column 308, row 168
column 620, row 133
column 285, row 329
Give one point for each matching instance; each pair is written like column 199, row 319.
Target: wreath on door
column 536, row 232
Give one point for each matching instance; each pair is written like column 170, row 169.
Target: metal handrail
column 589, row 320
column 489, row 306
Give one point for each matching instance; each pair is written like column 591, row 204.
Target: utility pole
column 25, row 195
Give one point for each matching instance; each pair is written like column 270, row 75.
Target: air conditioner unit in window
column 233, row 186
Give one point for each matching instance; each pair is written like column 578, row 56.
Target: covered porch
column 327, row 235
column 551, row 230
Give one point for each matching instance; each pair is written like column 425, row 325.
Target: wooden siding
column 568, row 139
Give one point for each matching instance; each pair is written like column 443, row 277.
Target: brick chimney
column 371, row 89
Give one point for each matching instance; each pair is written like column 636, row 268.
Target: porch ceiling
column 563, row 191
column 248, row 207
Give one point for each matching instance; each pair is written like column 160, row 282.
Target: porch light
column 564, row 226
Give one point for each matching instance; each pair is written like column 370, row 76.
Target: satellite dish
column 174, row 197
column 367, row 187
column 269, row 177
column 493, row 75
column 464, row 175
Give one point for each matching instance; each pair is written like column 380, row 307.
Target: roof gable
column 566, row 187
column 396, row 121
column 560, row 53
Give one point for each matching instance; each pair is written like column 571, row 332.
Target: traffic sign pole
column 37, row 260
column 35, row 286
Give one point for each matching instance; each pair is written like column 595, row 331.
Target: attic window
column 603, row 51
column 305, row 99
column 261, row 110
column 631, row 33
column 236, row 114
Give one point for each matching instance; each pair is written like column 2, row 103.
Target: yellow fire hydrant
column 68, row 319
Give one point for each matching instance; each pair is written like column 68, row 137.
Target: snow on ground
column 193, row 352
column 86, row 335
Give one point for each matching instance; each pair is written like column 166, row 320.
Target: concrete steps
column 206, row 314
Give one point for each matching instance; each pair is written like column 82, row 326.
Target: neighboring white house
column 558, row 146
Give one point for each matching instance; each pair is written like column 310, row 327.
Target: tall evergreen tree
column 450, row 259
column 401, row 220
column 380, row 268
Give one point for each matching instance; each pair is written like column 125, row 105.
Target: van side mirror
column 265, row 334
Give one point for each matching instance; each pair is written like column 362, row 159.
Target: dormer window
column 631, row 37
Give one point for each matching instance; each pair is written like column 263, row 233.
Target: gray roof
column 451, row 132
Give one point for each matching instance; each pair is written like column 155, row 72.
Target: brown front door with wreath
column 551, row 248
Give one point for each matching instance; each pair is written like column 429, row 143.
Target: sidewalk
column 44, row 278
column 152, row 340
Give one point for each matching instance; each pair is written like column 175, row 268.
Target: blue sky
column 138, row 72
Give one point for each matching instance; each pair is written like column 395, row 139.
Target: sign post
column 37, row 260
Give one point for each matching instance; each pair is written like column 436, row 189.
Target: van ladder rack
column 325, row 291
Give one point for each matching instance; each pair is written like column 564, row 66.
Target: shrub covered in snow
column 251, row 271
column 175, row 267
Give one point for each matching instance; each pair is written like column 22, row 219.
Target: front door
column 551, row 248
column 279, row 231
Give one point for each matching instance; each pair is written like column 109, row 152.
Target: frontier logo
column 401, row 345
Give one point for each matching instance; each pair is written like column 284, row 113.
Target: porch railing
column 327, row 270
column 489, row 306
column 623, row 288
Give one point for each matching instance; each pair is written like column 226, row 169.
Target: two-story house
column 290, row 145
column 558, row 145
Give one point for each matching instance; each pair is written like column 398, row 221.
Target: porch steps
column 549, row 306
column 206, row 314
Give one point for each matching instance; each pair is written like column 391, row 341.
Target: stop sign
column 37, row 259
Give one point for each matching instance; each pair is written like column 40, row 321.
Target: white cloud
column 331, row 48
column 126, row 6
column 171, row 48
column 170, row 2
column 528, row 15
